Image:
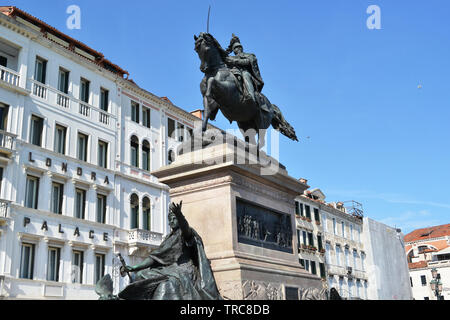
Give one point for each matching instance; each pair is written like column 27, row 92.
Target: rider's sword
column 207, row 23
column 123, row 265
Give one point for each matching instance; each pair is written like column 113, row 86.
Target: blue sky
column 375, row 104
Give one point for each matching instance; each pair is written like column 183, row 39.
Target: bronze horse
column 220, row 90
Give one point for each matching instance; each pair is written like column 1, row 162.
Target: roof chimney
column 198, row 113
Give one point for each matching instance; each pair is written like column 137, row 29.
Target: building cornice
column 426, row 240
column 329, row 209
column 38, row 37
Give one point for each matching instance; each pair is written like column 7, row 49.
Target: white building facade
column 387, row 266
column 78, row 143
column 339, row 252
column 345, row 252
column 428, row 249
column 310, row 237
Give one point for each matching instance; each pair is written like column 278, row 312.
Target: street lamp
column 436, row 284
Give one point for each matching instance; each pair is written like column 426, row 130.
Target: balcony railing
column 145, row 237
column 7, row 140
column 9, row 76
column 103, row 117
column 338, row 270
column 71, row 104
column 63, row 100
column 39, row 90
column 84, row 109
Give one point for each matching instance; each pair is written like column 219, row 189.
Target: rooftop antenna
column 207, row 22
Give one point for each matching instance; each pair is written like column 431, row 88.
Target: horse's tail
column 280, row 124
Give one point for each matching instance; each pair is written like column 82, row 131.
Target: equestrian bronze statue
column 233, row 84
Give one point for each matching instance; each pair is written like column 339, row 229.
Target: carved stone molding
column 258, row 290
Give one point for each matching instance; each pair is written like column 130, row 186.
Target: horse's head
column 209, row 51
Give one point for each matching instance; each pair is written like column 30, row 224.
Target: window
column 99, row 266
column 322, row 270
column 358, row 229
column 307, row 265
column 358, row 285
column 171, row 156
column 77, row 266
column 31, row 192
column 80, row 203
column 146, row 211
column 319, row 242
column 53, row 264
column 63, row 81
column 60, row 139
column 410, row 280
column 355, row 259
column 37, row 125
column 134, row 112
column 146, row 155
column 334, row 226
column 171, row 128
column 301, row 210
column 3, row 61
column 134, row 145
column 338, row 255
column 313, row 267
column 102, row 155
column 327, row 253
column 27, row 261
column 134, row 211
column 101, row 208
column 308, row 211
column 423, row 279
column 347, row 263
column 40, row 70
column 82, row 147
column 305, row 241
column 350, row 288
column 316, row 214
column 4, row 110
column 363, row 258
column 146, row 117
column 190, row 132
column 302, row 262
column 104, row 99
column 297, row 208
column 341, row 286
column 351, row 231
column 324, row 222
column 57, row 198
column 310, row 239
column 180, row 133
column 343, row 229
column 84, row 90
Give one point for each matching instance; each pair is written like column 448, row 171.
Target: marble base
column 210, row 181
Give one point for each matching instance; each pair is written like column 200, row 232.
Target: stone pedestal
column 245, row 217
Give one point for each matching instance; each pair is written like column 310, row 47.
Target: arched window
column 134, row 205
column 134, row 143
column 146, row 155
column 146, row 211
column 171, row 156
